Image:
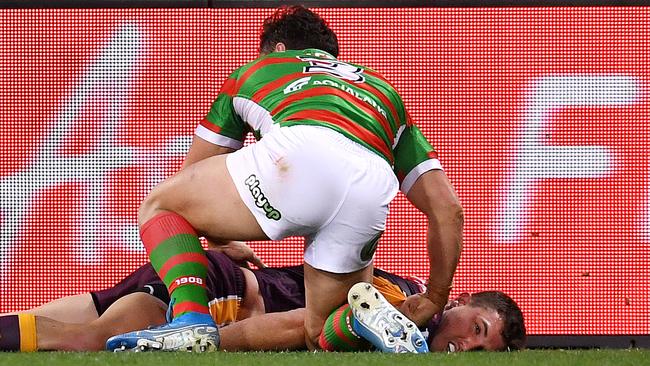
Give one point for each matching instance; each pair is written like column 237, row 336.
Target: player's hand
column 419, row 309
column 239, row 252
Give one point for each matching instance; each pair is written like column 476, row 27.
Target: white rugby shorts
column 314, row 182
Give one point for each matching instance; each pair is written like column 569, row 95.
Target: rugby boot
column 379, row 322
column 191, row 332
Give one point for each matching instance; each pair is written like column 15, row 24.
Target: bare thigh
column 205, row 195
column 325, row 292
column 132, row 312
column 70, row 309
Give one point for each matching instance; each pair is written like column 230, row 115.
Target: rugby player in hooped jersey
column 335, row 145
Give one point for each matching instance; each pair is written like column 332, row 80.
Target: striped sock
column 337, row 334
column 18, row 333
column 178, row 257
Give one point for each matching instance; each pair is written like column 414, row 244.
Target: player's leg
column 134, row 311
column 205, row 195
column 346, row 246
column 27, row 332
column 324, row 293
column 340, row 253
column 339, row 256
column 18, row 331
column 199, row 200
column 69, row 309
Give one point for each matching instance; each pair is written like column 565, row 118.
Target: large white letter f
column 534, row 160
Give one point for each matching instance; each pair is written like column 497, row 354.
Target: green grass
column 527, row 358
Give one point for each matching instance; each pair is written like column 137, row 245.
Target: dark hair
column 514, row 330
column 298, row 28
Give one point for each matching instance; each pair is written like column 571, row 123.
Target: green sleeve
column 222, row 125
column 414, row 156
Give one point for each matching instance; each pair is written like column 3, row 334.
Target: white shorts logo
column 260, row 199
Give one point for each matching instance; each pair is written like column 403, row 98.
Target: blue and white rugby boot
column 191, row 332
column 379, row 322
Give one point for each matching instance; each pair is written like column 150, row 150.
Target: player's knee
column 312, row 334
column 87, row 338
column 95, row 343
column 149, row 207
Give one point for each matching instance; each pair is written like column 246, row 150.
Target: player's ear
column 460, row 300
column 279, row 47
column 463, row 299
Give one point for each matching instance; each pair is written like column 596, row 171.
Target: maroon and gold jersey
column 281, row 288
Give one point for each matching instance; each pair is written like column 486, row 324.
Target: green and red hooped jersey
column 311, row 87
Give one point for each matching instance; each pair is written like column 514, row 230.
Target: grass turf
column 527, row 358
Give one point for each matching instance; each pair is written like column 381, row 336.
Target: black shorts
column 282, row 288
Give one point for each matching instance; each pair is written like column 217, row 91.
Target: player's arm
column 202, row 149
column 426, row 186
column 433, row 195
column 222, row 131
column 281, row 331
column 238, row 251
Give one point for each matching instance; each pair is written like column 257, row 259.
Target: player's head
column 297, row 28
column 488, row 320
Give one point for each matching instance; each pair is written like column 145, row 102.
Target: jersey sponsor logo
column 260, row 199
column 368, row 250
column 297, row 85
column 354, row 93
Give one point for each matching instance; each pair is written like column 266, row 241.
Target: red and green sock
column 177, row 255
column 337, row 334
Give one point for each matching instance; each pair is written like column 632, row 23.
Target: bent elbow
column 458, row 214
column 449, row 213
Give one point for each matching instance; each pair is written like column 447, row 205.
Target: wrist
column 438, row 295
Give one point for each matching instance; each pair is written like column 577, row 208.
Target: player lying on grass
column 243, row 297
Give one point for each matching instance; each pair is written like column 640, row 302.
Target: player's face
column 467, row 328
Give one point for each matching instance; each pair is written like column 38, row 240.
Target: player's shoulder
column 408, row 284
column 237, row 72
